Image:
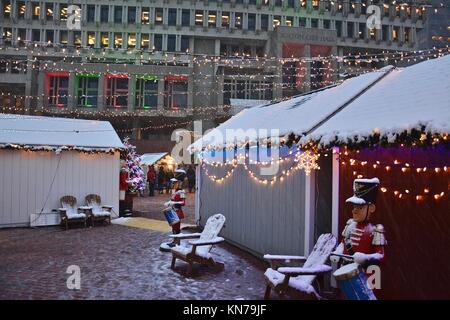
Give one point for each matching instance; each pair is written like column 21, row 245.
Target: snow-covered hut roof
column 47, row 133
column 410, row 98
column 296, row 115
column 151, row 158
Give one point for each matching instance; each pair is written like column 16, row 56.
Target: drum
column 171, row 216
column 353, row 282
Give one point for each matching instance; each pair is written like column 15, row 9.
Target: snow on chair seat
column 199, row 250
column 70, row 212
column 99, row 212
column 299, row 280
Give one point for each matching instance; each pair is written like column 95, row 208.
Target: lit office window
column 276, row 21
column 212, row 18
column 238, row 20
column 289, row 21
column 22, row 9
column 315, row 4
column 225, row 19
column 159, row 16
column 118, row 40
column 145, row 15
column 131, row 40
column 36, row 10
column 77, row 38
column 199, row 17
column 145, row 41
column 7, row 8
column 63, row 37
column 303, row 3
column 91, row 39
column 63, row 12
column 49, row 11
column 104, row 39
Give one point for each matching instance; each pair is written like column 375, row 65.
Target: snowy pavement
column 117, row 262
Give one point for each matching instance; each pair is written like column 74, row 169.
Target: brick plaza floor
column 116, row 262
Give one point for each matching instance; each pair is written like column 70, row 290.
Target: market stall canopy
column 152, row 158
column 53, row 133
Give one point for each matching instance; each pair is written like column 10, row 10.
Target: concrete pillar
column 71, row 99
column 161, row 94
column 101, row 93
column 131, row 93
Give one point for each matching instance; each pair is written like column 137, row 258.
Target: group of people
column 160, row 179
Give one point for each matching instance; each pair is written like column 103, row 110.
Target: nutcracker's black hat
column 364, row 191
column 180, row 174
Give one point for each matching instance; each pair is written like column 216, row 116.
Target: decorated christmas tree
column 135, row 172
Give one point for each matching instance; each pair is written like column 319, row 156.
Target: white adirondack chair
column 199, row 250
column 298, row 281
column 70, row 213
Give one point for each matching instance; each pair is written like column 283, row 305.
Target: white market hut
column 286, row 217
column 44, row 158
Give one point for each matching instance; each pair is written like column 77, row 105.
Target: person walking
column 151, row 177
column 191, row 178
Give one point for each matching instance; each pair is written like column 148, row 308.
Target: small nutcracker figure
column 362, row 240
column 177, row 200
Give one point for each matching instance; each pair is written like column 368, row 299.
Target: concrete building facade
column 150, row 66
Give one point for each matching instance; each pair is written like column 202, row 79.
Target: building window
column 7, row 9
column 225, row 19
column 58, row 88
column 384, row 33
column 7, row 35
column 289, row 21
column 314, row 23
column 276, row 21
column 91, row 39
column 362, row 29
column 87, row 90
column 386, row 10
column 264, row 22
column 118, row 40
column 77, row 38
column 36, row 35
column 303, row 4
column 132, row 40
column 22, row 9
column 406, row 34
column 395, row 33
column 104, row 14
column 117, row 91
column 339, row 28
column 278, row 3
column 117, row 14
column 63, row 37
column 326, row 24
column 145, row 41
column 91, row 13
column 372, row 33
column 185, row 17
column 172, row 17
column 50, row 36
column 238, row 20
column 350, row 30
column 147, row 92
column 131, row 15
column 145, row 15
column 171, row 43
column 212, row 15
column 302, row 22
column 159, row 16
column 184, row 44
column 176, row 92
column 199, row 17
column 63, row 12
column 157, row 46
column 49, row 11
column 252, row 2
column 104, row 39
column 36, row 10
column 251, row 25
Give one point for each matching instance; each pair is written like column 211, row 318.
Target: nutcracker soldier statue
column 174, row 212
column 123, row 186
column 362, row 242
